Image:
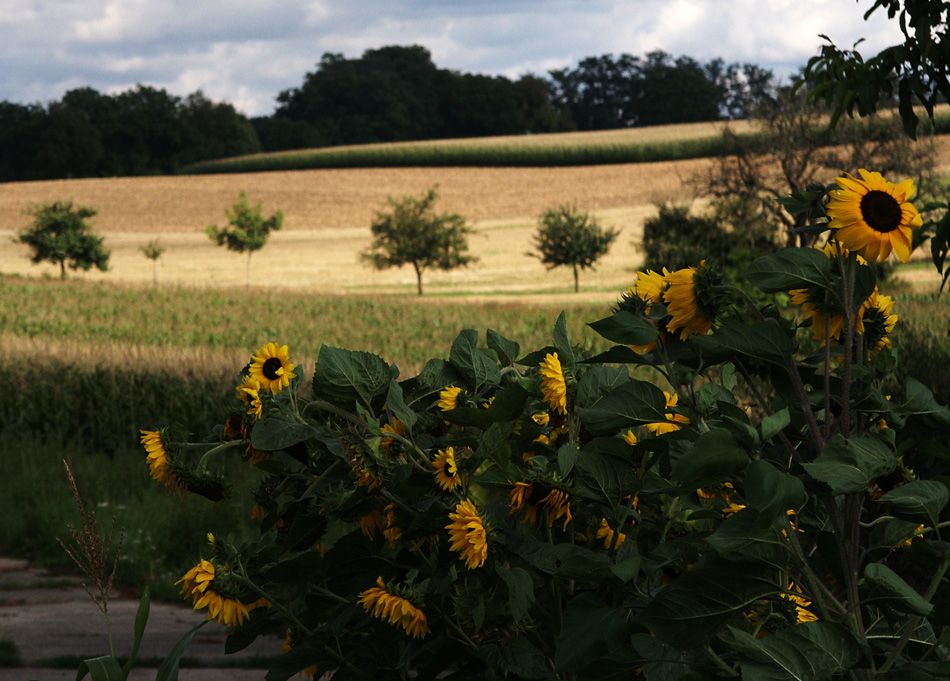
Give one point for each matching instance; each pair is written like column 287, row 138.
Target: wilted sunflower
column 875, row 321
column 607, row 533
column 690, row 300
column 271, row 367
column 532, row 496
column 249, row 394
column 468, row 535
column 553, row 384
column 873, row 216
column 449, row 398
column 673, row 420
column 380, row 602
column 446, row 469
column 199, row 586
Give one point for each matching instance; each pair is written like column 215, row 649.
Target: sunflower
column 371, row 523
column 271, row 368
column 249, row 393
column 542, row 419
column 630, row 438
column 794, row 594
column 446, row 469
column 689, row 302
column 449, row 398
column 382, row 603
column 819, row 304
column 650, row 286
column 157, row 457
column 532, row 496
column 288, row 645
column 396, row 428
column 468, row 534
column 673, row 420
column 875, row 321
column 873, row 216
column 553, row 384
column 391, row 531
column 606, row 533
column 199, row 585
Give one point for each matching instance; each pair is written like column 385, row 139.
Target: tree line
column 390, row 94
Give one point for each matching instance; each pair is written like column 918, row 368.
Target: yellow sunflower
column 381, row 603
column 673, row 421
column 630, row 438
column 449, row 398
column 872, row 216
column 875, row 321
column 271, row 368
column 553, row 384
column 156, row 457
column 446, row 469
column 688, row 312
column 468, row 534
column 819, row 304
column 532, row 496
column 199, row 586
column 606, row 533
column 396, row 428
column 249, row 394
column 794, row 594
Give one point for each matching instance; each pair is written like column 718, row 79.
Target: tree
column 412, row 234
column 568, row 237
column 153, row 251
column 60, row 235
column 247, row 231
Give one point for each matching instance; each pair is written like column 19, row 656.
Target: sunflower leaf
column 477, row 368
column 763, row 341
column 812, row 651
column 788, row 269
column 626, row 406
column 886, row 586
column 848, row 465
column 590, row 629
column 919, row 501
column 345, row 377
column 626, row 328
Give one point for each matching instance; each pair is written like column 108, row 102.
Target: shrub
column 567, row 237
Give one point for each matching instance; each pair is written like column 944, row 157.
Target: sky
column 247, row 51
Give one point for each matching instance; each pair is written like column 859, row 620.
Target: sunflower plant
column 724, row 492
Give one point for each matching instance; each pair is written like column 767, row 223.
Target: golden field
column 328, row 213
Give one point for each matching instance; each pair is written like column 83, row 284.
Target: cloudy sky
column 246, row 51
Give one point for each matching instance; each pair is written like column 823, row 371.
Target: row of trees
column 138, row 132
column 397, row 93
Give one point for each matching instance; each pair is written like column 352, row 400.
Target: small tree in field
column 153, row 251
column 247, row 229
column 60, row 235
column 568, row 237
column 412, row 234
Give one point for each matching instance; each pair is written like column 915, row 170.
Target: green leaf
column 762, row 341
column 774, row 424
column 520, row 589
column 886, row 586
column 477, row 367
column 105, row 668
column 625, row 328
column 141, row 619
column 280, row 431
column 919, row 501
column 694, row 607
column 347, row 376
column 603, row 478
column 619, row 354
column 168, row 671
column 567, row 455
column 789, row 269
column 740, row 538
column 771, row 492
column 518, row 657
column 848, row 465
column 813, row 651
column 920, row 402
column 507, row 350
column 590, row 629
column 597, row 382
column 714, row 457
column 629, row 405
column 397, row 405
column 561, row 342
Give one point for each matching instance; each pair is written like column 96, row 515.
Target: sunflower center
column 271, row 368
column 881, row 211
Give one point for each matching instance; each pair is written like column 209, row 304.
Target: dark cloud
column 246, row 51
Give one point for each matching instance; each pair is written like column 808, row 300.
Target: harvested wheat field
column 327, row 218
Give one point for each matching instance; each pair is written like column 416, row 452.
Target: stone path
column 47, row 616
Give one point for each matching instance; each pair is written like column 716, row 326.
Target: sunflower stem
column 219, row 448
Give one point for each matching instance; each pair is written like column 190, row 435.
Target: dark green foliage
column 922, row 340
column 60, row 235
column 411, row 234
column 567, row 237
